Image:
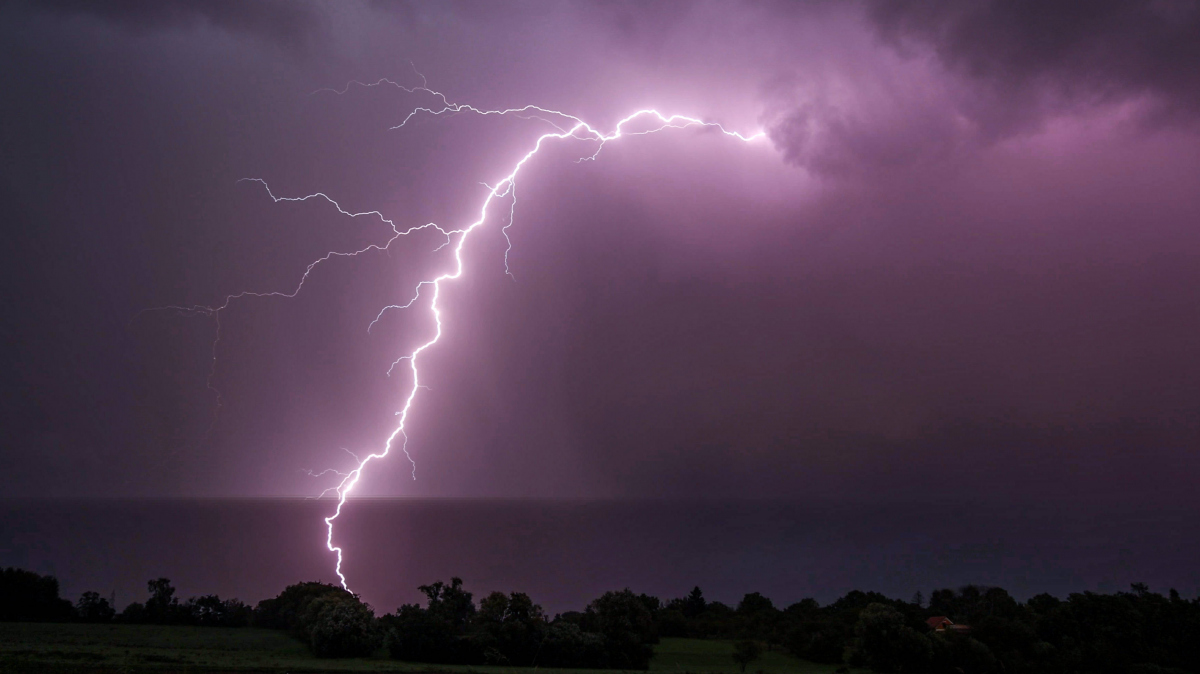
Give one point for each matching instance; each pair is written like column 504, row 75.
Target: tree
column 755, row 603
column 510, row 625
column 492, row 609
column 439, row 632
column 29, row 597
column 957, row 653
column 758, row 619
column 92, row 608
column 211, row 610
column 340, row 626
column 331, row 620
column 162, row 608
column 694, row 604
column 972, row 603
column 918, row 599
column 134, row 613
column 286, row 611
column 450, row 603
column 671, row 623
column 885, row 644
column 679, row 618
column 412, row 635
column 717, row 620
column 627, row 627
column 565, row 645
column 746, row 651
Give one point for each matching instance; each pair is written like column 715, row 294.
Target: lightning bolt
column 566, row 127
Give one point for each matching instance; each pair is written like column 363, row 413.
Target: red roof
column 939, row 622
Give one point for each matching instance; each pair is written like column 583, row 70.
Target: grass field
column 134, row 649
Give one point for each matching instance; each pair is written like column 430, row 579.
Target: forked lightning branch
column 427, row 292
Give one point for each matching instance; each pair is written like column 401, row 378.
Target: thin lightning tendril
column 215, row 310
column 327, row 471
column 566, row 127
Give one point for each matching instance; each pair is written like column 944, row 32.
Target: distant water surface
column 563, row 553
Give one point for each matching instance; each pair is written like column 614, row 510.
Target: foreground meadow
column 43, row 648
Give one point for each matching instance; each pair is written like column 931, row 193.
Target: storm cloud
column 971, row 235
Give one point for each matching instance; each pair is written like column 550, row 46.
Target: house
column 941, row 623
column 938, row 623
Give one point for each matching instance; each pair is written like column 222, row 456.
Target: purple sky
column 966, row 265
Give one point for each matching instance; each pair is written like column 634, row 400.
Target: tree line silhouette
column 1133, row 632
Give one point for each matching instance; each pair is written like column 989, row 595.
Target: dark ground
column 54, row 648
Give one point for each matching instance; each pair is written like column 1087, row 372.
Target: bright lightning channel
column 567, row 127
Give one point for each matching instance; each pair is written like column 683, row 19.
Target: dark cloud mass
column 966, row 263
column 1003, row 68
column 286, row 23
column 1059, row 53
